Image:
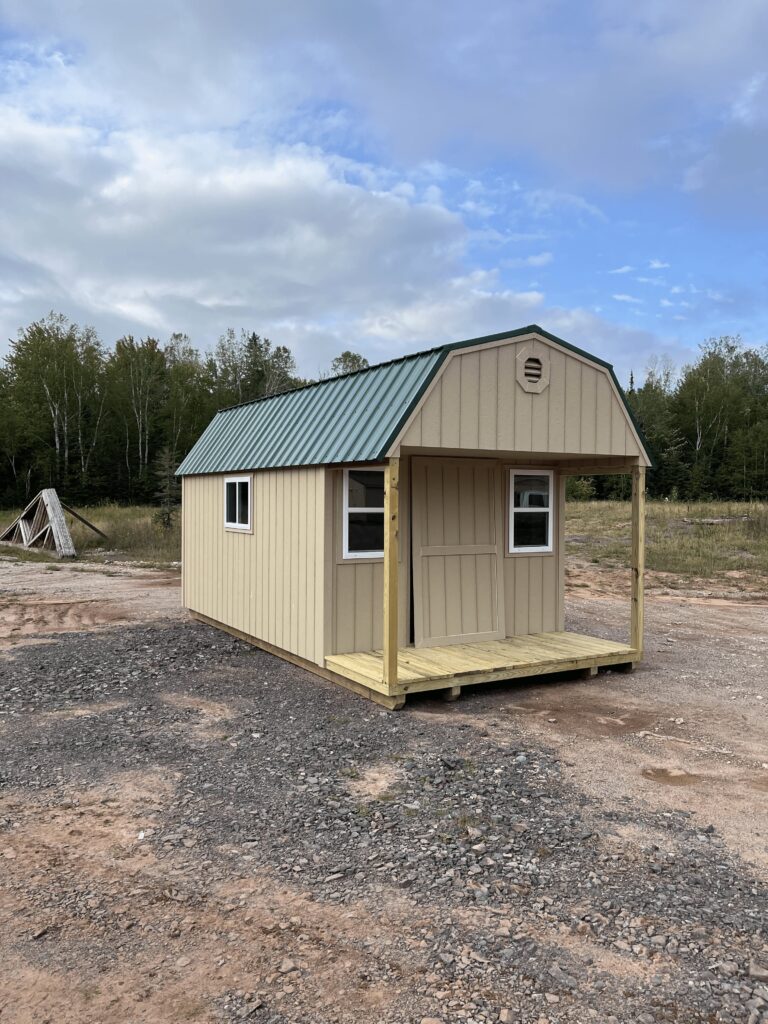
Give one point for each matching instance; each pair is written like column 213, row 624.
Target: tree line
column 707, row 426
column 112, row 424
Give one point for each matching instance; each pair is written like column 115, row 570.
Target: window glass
column 531, row 530
column 366, row 488
column 231, row 489
column 242, row 502
column 365, row 532
column 531, row 491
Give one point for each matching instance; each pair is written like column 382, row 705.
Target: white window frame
column 242, row 527
column 526, row 550
column 347, row 509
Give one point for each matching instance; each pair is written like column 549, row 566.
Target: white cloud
column 193, row 232
column 162, row 172
column 657, row 265
column 626, row 269
column 539, row 259
column 650, row 86
column 745, row 107
column 626, row 298
column 665, row 303
column 546, row 202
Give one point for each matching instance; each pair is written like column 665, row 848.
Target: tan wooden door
column 456, row 524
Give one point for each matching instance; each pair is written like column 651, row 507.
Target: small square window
column 237, row 503
column 363, row 513
column 530, row 511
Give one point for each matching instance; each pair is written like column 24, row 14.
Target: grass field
column 678, row 541
column 132, row 530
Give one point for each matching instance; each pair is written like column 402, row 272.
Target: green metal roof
column 352, row 418
column 342, row 419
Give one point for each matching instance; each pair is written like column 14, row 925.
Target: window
column 363, row 513
column 530, row 510
column 237, row 503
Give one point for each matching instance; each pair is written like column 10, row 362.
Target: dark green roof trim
column 355, row 417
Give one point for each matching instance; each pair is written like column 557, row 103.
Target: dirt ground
column 194, row 831
column 39, row 599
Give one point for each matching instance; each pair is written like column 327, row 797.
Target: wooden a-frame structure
column 42, row 526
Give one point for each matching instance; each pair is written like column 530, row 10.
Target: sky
column 383, row 177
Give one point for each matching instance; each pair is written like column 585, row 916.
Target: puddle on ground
column 671, row 776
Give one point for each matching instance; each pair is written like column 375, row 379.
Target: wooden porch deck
column 457, row 665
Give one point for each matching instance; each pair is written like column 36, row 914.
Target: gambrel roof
column 355, row 417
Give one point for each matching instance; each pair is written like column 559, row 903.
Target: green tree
column 56, row 370
column 137, row 388
column 249, row 366
column 168, row 493
column 348, row 362
column 653, row 406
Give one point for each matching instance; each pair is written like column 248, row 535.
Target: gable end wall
column 476, row 403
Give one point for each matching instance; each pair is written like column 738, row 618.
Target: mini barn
column 400, row 529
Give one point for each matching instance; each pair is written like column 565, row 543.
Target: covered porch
column 396, row 669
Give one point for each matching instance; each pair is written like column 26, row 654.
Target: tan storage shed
column 400, row 528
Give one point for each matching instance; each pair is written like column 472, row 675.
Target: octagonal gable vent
column 532, row 369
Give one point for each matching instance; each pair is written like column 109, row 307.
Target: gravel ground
column 193, row 830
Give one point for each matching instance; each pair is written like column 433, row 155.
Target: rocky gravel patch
column 222, row 828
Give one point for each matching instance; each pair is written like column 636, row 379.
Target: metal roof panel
column 343, row 419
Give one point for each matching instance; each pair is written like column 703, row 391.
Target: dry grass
column 600, row 532
column 132, row 531
column 597, row 531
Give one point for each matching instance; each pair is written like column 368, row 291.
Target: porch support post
column 638, row 558
column 391, row 566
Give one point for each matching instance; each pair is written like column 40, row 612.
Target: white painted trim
column 346, row 553
column 514, row 471
column 243, row 527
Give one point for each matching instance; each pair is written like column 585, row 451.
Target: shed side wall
column 268, row 583
column 477, row 403
column 534, row 584
column 357, row 591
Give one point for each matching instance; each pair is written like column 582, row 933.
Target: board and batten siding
column 357, row 591
column 534, row 585
column 268, row 583
column 477, row 403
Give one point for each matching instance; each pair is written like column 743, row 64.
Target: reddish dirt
column 40, row 599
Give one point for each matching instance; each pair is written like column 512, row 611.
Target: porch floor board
column 434, row 668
